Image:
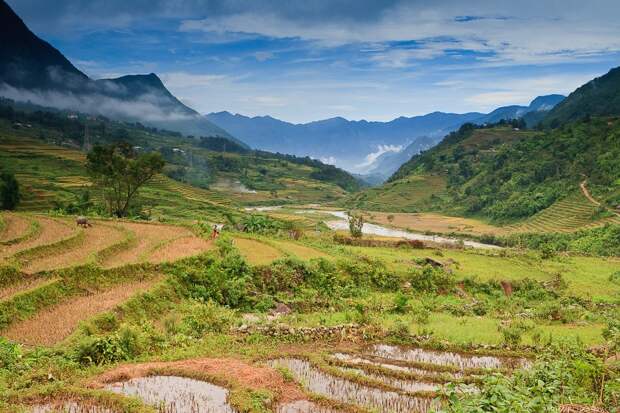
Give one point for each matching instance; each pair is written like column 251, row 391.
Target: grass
column 256, row 252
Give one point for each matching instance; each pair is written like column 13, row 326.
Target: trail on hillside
column 588, row 195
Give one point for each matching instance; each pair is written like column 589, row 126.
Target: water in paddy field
column 405, row 369
column 406, row 385
column 347, row 391
column 173, row 394
column 303, row 406
column 69, row 407
column 445, row 358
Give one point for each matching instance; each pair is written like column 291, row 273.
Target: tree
column 356, row 223
column 9, row 191
column 120, row 172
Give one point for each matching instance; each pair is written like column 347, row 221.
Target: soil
column 246, row 374
column 52, row 230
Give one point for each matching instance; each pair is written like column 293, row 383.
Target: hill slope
column 598, row 97
column 507, row 175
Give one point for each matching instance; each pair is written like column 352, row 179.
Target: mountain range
column 33, row 70
column 372, row 148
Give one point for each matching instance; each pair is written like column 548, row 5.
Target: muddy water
column 406, row 369
column 444, row 358
column 303, row 406
column 406, row 385
column 350, row 392
column 176, row 394
column 68, row 407
column 372, row 229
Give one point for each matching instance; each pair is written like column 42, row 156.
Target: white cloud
column 372, row 157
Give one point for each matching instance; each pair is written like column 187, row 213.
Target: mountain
column 29, row 62
column 349, row 144
column 598, row 97
column 33, row 70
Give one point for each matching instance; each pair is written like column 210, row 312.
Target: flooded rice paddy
column 171, row 394
column 442, row 358
column 406, row 385
column 348, row 391
column 304, row 406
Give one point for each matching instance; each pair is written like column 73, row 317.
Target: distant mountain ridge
column 350, row 143
column 33, row 70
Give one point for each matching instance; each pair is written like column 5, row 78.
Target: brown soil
column 434, row 223
column 15, row 227
column 52, row 230
column 27, row 284
column 56, row 323
column 181, row 248
column 97, row 237
column 246, row 374
column 148, row 237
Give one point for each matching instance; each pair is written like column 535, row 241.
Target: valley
column 158, row 259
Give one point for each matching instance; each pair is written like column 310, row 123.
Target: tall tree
column 9, row 191
column 120, row 172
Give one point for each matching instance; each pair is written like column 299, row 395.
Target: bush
column 356, row 224
column 204, row 317
column 513, row 331
column 10, row 354
column 121, row 345
column 9, row 191
column 431, row 280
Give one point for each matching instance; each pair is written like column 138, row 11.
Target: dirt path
column 52, row 230
column 96, row 238
column 148, row 237
column 180, row 248
column 246, row 374
column 56, row 323
column 16, row 226
column 588, row 195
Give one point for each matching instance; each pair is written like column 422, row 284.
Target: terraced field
column 570, row 214
column 404, row 195
column 57, row 243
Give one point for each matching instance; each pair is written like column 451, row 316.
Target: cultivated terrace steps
column 570, row 214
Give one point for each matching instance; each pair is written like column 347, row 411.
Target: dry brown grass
column 52, row 230
column 96, row 238
column 147, row 238
column 15, row 227
column 181, row 248
column 256, row 252
column 434, row 223
column 52, row 325
column 27, row 284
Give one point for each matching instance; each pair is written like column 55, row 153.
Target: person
column 215, row 233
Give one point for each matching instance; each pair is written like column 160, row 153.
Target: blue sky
column 307, row 60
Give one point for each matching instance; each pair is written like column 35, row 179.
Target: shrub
column 401, row 303
column 10, row 354
column 9, row 191
column 356, row 224
column 513, row 331
column 431, row 280
column 204, row 317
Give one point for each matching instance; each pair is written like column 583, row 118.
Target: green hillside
column 508, row 175
column 45, row 150
column 598, row 97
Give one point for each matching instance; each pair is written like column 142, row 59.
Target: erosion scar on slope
column 52, row 325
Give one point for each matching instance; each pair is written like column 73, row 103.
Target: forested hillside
column 508, row 174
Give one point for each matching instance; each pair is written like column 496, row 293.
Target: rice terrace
column 157, row 257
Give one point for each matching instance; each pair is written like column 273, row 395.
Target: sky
column 307, row 60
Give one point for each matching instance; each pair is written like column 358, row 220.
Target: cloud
column 145, row 107
column 372, row 157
